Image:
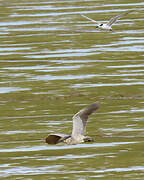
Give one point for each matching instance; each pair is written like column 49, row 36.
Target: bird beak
column 60, row 140
column 63, row 139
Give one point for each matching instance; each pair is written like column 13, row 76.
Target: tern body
column 79, row 128
column 107, row 26
column 104, row 27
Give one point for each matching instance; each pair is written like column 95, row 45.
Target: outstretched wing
column 89, row 19
column 55, row 138
column 80, row 119
column 113, row 19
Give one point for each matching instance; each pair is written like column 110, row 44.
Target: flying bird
column 108, row 26
column 79, row 128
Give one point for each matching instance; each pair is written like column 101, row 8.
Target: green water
column 53, row 62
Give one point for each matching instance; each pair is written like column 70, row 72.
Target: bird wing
column 80, row 119
column 89, row 19
column 55, row 138
column 113, row 19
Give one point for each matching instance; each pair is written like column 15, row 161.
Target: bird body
column 74, row 140
column 107, row 26
column 79, row 128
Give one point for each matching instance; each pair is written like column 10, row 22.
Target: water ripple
column 42, row 148
column 12, row 89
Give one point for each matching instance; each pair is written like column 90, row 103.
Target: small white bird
column 107, row 26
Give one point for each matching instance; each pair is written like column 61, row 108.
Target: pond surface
column 53, row 62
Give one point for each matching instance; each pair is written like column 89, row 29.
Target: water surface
column 53, row 62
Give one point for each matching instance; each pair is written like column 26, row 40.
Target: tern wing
column 114, row 19
column 89, row 19
column 55, row 138
column 80, row 119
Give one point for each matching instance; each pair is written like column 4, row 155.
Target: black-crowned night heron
column 79, row 128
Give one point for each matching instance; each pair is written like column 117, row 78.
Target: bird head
column 64, row 139
column 68, row 140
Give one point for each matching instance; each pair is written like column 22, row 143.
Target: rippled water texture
column 53, row 62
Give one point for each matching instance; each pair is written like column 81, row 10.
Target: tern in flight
column 108, row 26
column 79, row 128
